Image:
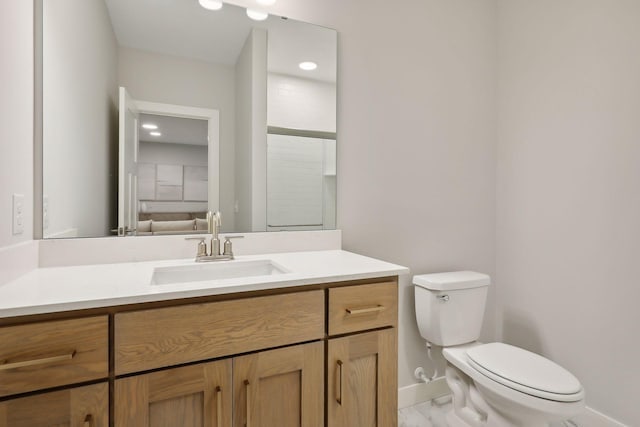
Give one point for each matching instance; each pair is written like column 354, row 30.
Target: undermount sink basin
column 215, row 271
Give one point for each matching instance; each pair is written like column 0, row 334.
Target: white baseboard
column 592, row 418
column 417, row 393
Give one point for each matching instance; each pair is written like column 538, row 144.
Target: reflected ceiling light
column 155, row 134
column 257, row 15
column 149, row 126
column 266, row 2
column 308, row 66
column 211, row 4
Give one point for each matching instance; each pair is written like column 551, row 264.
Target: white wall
column 251, row 133
column 173, row 80
column 84, row 155
column 16, row 115
column 296, row 103
column 416, row 137
column 568, row 197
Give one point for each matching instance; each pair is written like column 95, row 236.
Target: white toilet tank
column 450, row 306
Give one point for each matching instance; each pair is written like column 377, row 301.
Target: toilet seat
column 525, row 372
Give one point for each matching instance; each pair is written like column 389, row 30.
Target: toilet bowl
column 520, row 388
column 493, row 384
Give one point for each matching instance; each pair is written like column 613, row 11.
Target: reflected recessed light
column 211, row 4
column 257, row 15
column 266, row 2
column 308, row 66
column 155, row 134
column 150, row 126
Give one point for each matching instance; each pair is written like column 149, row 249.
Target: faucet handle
column 202, row 246
column 228, row 249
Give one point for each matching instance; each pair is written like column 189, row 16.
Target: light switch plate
column 18, row 213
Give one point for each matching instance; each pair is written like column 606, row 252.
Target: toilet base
column 470, row 409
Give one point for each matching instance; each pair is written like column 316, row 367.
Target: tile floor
column 427, row 414
column 432, row 414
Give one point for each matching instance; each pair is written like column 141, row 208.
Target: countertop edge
column 61, row 307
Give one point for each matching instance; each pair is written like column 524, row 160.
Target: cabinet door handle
column 219, row 405
column 339, row 393
column 88, row 421
column 6, row 366
column 366, row 310
column 248, row 393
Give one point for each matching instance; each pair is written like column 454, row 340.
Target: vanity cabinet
column 49, row 354
column 189, row 396
column 362, row 384
column 362, row 371
column 282, row 387
column 321, row 355
column 75, row 407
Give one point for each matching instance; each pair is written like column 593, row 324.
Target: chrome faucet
column 214, row 221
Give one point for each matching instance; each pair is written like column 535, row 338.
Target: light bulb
column 308, row 66
column 155, row 134
column 257, row 15
column 211, row 4
column 149, row 126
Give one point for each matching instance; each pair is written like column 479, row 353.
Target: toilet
column 493, row 384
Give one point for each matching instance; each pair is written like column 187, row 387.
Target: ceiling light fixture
column 149, row 126
column 155, row 134
column 257, row 15
column 211, row 4
column 266, row 2
column 308, row 66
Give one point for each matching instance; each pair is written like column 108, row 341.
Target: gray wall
column 172, row 80
column 568, row 198
column 416, row 138
column 16, row 115
column 86, row 154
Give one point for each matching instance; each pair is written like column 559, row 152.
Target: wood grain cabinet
column 362, row 380
column 190, row 396
column 322, row 355
column 282, row 387
column 75, row 407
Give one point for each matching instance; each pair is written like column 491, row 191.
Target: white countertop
column 55, row 289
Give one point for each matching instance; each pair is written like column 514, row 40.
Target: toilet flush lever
column 443, row 298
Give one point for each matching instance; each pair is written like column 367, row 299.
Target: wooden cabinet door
column 283, row 387
column 76, row 407
column 362, row 380
column 191, row 396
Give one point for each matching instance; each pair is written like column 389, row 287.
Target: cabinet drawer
column 80, row 406
column 357, row 308
column 50, row 354
column 162, row 337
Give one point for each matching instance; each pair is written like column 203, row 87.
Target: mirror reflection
column 155, row 112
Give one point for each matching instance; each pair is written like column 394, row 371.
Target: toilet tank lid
column 453, row 280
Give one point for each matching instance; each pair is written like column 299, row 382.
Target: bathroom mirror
column 154, row 112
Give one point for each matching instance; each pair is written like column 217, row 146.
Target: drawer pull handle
column 339, row 398
column 248, row 391
column 219, row 404
column 88, row 421
column 367, row 310
column 46, row 360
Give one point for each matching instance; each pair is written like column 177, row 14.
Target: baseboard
column 592, row 418
column 417, row 393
